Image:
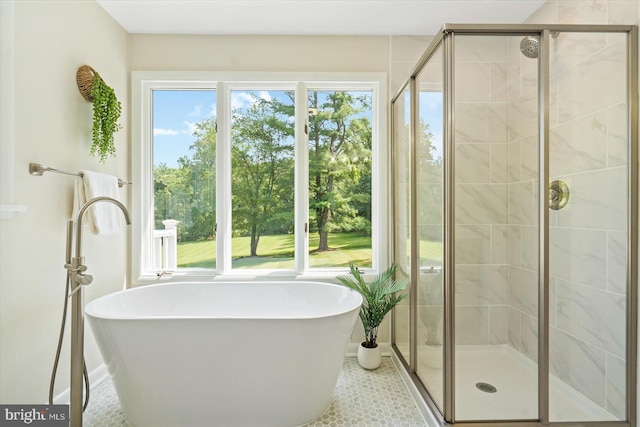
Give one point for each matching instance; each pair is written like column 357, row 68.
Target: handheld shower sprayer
column 76, row 279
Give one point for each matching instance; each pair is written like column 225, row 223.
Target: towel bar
column 37, row 169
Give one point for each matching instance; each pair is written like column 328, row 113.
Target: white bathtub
column 225, row 354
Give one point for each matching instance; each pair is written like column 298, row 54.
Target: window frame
column 143, row 83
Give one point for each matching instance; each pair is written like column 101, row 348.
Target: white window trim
column 142, row 84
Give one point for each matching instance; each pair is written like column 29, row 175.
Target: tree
column 263, row 166
column 187, row 193
column 262, row 156
column 430, row 197
column 202, row 165
column 339, row 162
column 173, row 194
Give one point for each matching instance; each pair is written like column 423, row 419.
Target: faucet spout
column 82, row 211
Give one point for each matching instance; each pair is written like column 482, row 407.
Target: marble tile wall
column 522, row 238
column 481, row 190
column 588, row 237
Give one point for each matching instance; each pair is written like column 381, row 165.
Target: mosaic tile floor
column 361, row 398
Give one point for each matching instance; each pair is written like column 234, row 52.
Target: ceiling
column 311, row 17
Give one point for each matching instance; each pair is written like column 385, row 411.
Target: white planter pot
column 369, row 358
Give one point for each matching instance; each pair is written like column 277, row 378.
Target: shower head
column 529, row 47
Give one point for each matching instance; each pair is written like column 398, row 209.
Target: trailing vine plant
column 106, row 112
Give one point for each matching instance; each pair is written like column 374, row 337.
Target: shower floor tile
column 516, row 381
column 361, row 398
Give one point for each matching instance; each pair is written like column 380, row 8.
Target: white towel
column 102, row 217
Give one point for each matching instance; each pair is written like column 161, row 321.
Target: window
column 262, row 179
column 340, row 178
column 265, row 175
column 184, row 178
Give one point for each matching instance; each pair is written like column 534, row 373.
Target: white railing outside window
column 165, row 247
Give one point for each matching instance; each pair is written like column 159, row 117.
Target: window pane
column 340, row 178
column 262, row 179
column 184, row 173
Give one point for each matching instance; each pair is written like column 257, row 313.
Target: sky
column 174, row 114
column 431, row 112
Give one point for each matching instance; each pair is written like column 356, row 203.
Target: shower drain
column 487, row 388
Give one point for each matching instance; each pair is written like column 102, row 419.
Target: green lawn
column 277, row 252
column 197, row 254
column 430, row 253
column 345, row 247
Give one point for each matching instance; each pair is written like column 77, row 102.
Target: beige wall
column 405, row 51
column 52, row 39
column 52, row 126
column 395, row 55
column 258, row 53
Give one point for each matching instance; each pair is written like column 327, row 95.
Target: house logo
column 34, row 415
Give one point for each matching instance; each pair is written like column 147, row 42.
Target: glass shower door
column 429, row 233
column 402, row 216
column 540, row 303
column 588, row 235
column 496, row 228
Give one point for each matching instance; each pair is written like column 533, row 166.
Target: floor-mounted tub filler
column 225, row 354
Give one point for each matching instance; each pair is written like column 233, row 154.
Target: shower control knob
column 85, row 279
column 558, row 195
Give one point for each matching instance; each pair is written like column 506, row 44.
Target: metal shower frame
column 446, row 39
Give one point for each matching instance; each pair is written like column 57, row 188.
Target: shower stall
column 515, row 219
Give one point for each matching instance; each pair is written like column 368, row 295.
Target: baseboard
column 352, row 349
column 96, row 377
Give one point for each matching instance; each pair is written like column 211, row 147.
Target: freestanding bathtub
column 225, row 354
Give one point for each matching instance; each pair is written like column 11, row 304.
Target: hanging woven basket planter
column 106, row 111
column 84, row 77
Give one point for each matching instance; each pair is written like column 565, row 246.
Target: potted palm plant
column 380, row 296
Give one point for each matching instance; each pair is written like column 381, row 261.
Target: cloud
column 197, row 111
column 191, row 128
column 264, row 95
column 241, row 99
column 201, row 110
column 169, row 132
